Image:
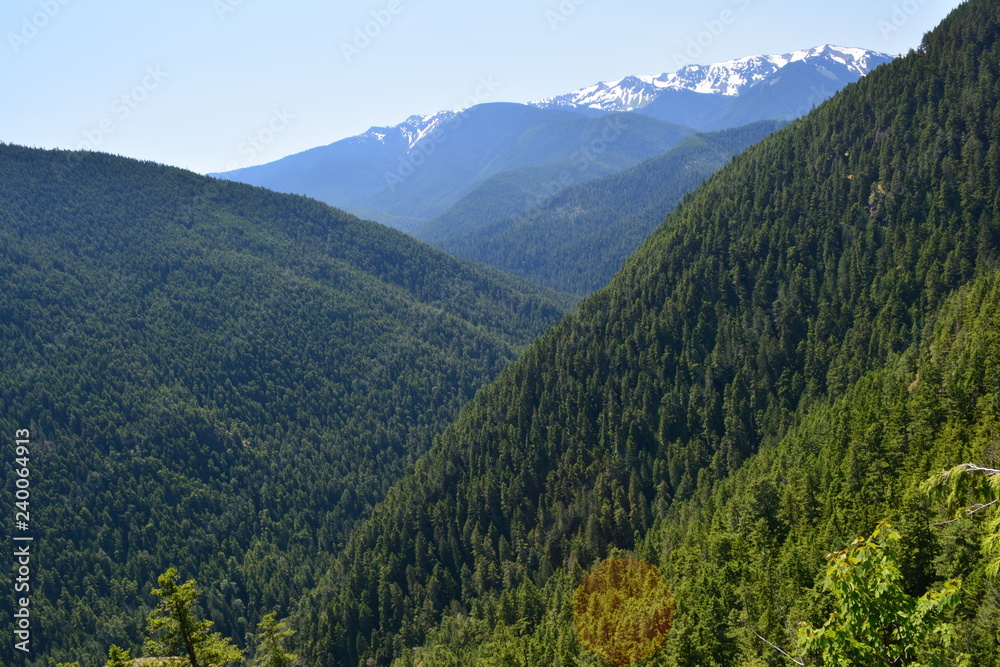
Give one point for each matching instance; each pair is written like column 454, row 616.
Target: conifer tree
column 176, row 631
column 271, row 650
column 119, row 657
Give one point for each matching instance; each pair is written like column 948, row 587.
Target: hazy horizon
column 187, row 83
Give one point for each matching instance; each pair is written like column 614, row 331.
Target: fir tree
column 271, row 650
column 176, row 631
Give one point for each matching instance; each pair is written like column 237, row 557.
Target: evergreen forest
column 266, row 432
column 220, row 379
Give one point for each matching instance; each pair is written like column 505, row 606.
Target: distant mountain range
column 406, row 175
column 411, row 173
column 731, row 78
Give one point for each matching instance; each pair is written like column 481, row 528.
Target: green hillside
column 753, row 547
column 219, row 378
column 742, row 399
column 577, row 239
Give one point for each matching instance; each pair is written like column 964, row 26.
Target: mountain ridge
column 219, row 378
column 729, row 78
column 410, row 173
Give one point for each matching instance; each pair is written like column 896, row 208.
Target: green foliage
column 876, row 622
column 118, row 657
column 271, row 638
column 175, row 629
column 969, row 481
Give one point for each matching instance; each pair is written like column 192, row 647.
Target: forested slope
column 577, row 239
column 809, row 263
column 219, row 378
column 751, row 549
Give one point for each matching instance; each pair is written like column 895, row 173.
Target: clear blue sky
column 187, row 82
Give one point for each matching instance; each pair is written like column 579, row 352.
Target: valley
column 691, row 369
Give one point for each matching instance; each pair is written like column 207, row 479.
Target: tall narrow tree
column 175, row 630
column 271, row 650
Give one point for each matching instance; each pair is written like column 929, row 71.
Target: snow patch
column 731, row 78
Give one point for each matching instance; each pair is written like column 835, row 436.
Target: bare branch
column 972, row 467
column 770, row 644
column 968, row 512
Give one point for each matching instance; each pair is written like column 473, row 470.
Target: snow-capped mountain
column 416, row 128
column 732, row 78
column 409, row 132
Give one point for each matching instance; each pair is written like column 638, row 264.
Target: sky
column 212, row 85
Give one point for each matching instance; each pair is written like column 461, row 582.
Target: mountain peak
column 730, row 77
column 409, row 132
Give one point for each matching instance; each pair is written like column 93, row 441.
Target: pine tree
column 119, row 657
column 271, row 650
column 175, row 630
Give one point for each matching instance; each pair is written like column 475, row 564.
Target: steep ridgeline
column 408, row 174
column 773, row 293
column 219, row 378
column 753, row 546
column 576, row 240
column 730, row 93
